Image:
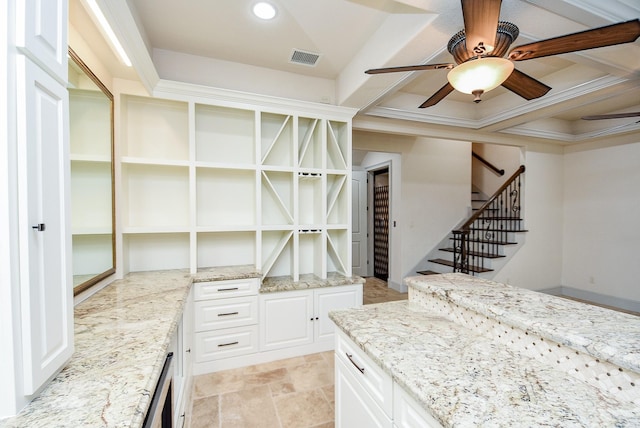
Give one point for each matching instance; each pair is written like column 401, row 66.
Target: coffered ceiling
column 221, row 44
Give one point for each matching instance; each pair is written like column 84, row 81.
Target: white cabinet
column 367, row 396
column 364, row 393
column 286, row 319
column 37, row 300
column 407, row 413
column 42, row 34
column 209, row 183
column 297, row 318
column 183, row 363
column 354, row 407
column 46, row 289
column 225, row 321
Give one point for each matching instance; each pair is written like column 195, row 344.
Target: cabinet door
column 331, row 299
column 41, row 29
column 354, row 407
column 286, row 319
column 46, row 289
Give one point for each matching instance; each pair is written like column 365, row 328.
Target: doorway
column 379, row 185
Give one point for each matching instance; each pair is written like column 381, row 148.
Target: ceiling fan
column 479, row 48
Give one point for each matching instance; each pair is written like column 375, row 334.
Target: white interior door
column 359, row 223
column 46, row 290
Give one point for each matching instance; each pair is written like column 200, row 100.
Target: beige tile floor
column 296, row 392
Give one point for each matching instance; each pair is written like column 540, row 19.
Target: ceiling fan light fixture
column 480, row 75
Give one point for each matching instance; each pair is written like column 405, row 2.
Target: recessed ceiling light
column 264, row 10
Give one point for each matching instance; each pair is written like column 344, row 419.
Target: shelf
column 225, row 135
column 277, row 198
column 338, row 259
column 92, row 158
column 226, row 249
column 310, row 143
column 337, row 198
column 145, row 252
column 311, row 251
column 167, row 139
column 276, row 139
column 338, row 155
column 277, row 253
column 232, row 184
column 310, row 199
column 130, row 160
column 225, row 197
column 155, row 196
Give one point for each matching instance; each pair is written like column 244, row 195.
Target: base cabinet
column 354, row 406
column 366, row 396
column 296, row 318
column 225, row 321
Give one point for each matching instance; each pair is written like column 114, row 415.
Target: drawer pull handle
column 350, row 357
column 228, row 289
column 227, row 344
column 227, row 314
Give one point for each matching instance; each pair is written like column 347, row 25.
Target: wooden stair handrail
column 465, row 227
column 488, row 164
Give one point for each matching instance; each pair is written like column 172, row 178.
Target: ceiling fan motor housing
column 506, row 34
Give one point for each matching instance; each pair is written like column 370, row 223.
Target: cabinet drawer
column 226, row 313
column 374, row 380
column 225, row 289
column 230, row 342
column 408, row 413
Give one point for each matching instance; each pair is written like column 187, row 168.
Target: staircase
column 493, row 224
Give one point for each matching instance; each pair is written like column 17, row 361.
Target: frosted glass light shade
column 480, row 75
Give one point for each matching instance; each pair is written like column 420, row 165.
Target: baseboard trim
column 602, row 299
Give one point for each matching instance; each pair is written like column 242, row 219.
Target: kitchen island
column 472, row 352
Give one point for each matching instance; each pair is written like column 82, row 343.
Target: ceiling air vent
column 304, row 58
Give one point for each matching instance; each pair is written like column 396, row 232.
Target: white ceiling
column 220, row 43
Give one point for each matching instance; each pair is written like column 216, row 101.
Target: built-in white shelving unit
column 211, row 182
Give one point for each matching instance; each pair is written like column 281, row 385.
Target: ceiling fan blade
column 410, row 68
column 525, row 86
column 438, row 96
column 480, row 24
column 612, row 116
column 624, row 32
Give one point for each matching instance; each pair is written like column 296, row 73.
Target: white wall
column 536, row 263
column 601, row 210
column 435, row 194
column 499, row 155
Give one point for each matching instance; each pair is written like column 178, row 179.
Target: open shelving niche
column 214, row 183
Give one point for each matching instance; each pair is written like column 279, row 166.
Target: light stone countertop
column 121, row 338
column 307, row 281
column 605, row 334
column 465, row 378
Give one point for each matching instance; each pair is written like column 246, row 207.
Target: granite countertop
column 222, row 273
column 465, row 379
column 307, row 281
column 605, row 334
column 464, row 376
column 122, row 335
column 121, row 338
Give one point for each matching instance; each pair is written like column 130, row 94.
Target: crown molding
column 230, row 98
